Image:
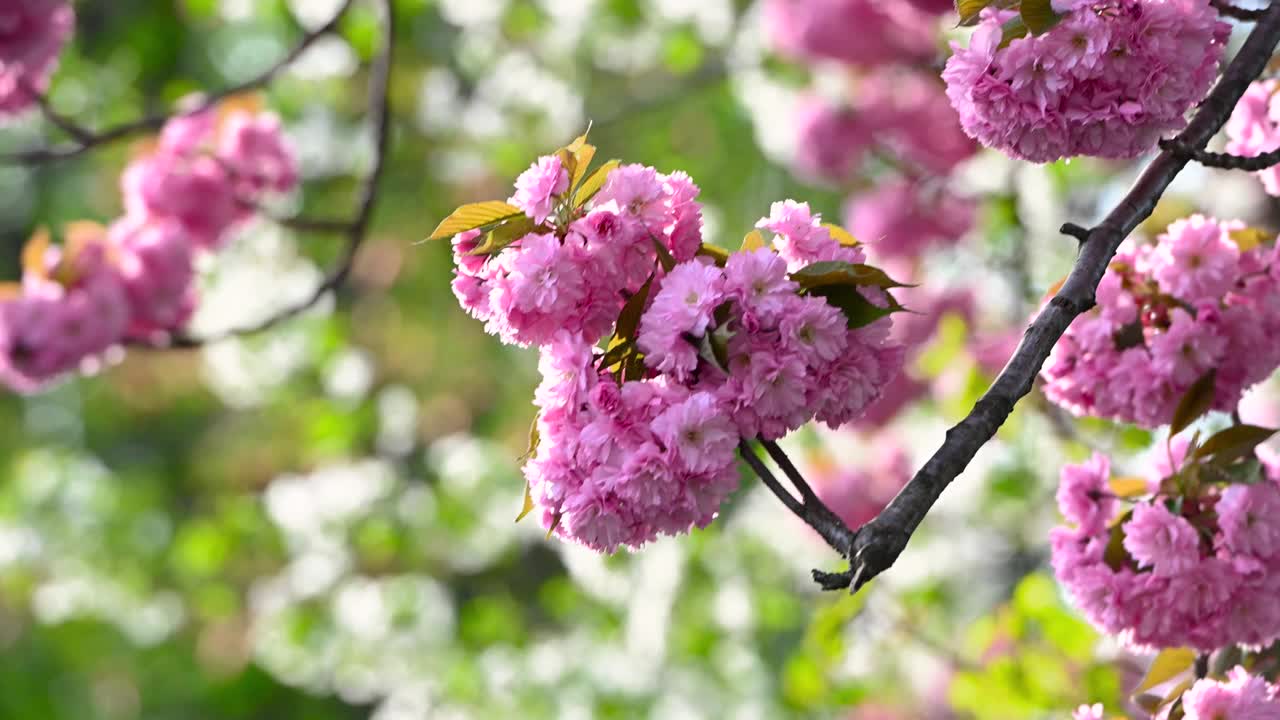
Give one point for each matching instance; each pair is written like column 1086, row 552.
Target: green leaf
column 1038, row 15
column 1196, row 402
column 528, row 503
column 968, row 10
column 1014, row 28
column 576, row 158
column 629, row 317
column 1248, row 472
column 1167, row 665
column 858, row 310
column 503, row 235
column 1233, row 443
column 473, row 216
column 839, row 272
column 593, row 183
column 618, row 351
column 1115, row 555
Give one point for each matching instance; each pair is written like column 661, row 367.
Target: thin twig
column 1226, row 161
column 357, row 228
column 1227, row 9
column 810, row 508
column 748, row 453
column 879, row 543
column 86, row 139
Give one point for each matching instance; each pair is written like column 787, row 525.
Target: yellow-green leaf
column 503, row 235
column 1038, row 15
column 1128, row 487
column 1251, row 237
column 752, row 242
column 718, row 254
column 1196, row 402
column 1014, row 28
column 664, row 255
column 629, row 318
column 474, row 215
column 593, row 183
column 842, row 236
column 1167, row 665
column 968, row 10
column 528, row 503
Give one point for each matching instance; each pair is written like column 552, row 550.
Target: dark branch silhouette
column 1227, row 9
column 1226, row 161
column 85, row 139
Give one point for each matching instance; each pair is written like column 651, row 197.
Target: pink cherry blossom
column 32, row 34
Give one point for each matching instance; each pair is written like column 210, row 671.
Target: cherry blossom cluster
column 1108, row 80
column 1168, row 313
column 637, row 435
column 1194, row 560
column 1241, row 695
column 1254, row 128
column 135, row 281
column 32, row 35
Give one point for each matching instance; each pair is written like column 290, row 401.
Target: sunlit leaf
column 842, row 236
column 33, row 254
column 1128, row 487
column 1167, row 665
column 1196, row 402
column 474, row 215
column 1251, row 237
column 593, row 183
column 718, row 254
column 752, row 242
column 969, row 10
column 503, row 235
column 10, row 291
column 1115, row 555
column 528, row 504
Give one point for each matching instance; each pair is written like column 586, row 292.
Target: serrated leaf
column 629, row 317
column 1038, row 15
column 503, row 235
column 1014, row 28
column 842, row 236
column 718, row 255
column 1196, row 402
column 593, row 183
column 473, row 216
column 1128, row 487
column 752, row 242
column 1233, row 443
column 839, row 272
column 1251, row 237
column 1167, row 665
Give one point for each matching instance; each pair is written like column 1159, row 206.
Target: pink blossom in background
column 32, row 34
column 1254, row 128
column 904, row 218
column 1187, row 575
column 197, row 192
column 70, row 310
column 859, row 494
column 254, row 148
column 1168, row 313
column 1109, row 80
column 914, row 119
column 156, row 265
column 826, row 29
column 831, row 140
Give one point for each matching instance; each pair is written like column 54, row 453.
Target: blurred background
column 317, row 522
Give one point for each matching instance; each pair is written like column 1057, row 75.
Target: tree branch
column 810, row 508
column 879, row 543
column 1226, row 9
column 355, row 229
column 1226, row 161
column 86, row 139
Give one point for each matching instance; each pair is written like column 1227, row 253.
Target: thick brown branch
column 1227, row 9
column 85, row 139
column 355, row 229
column 879, row 543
